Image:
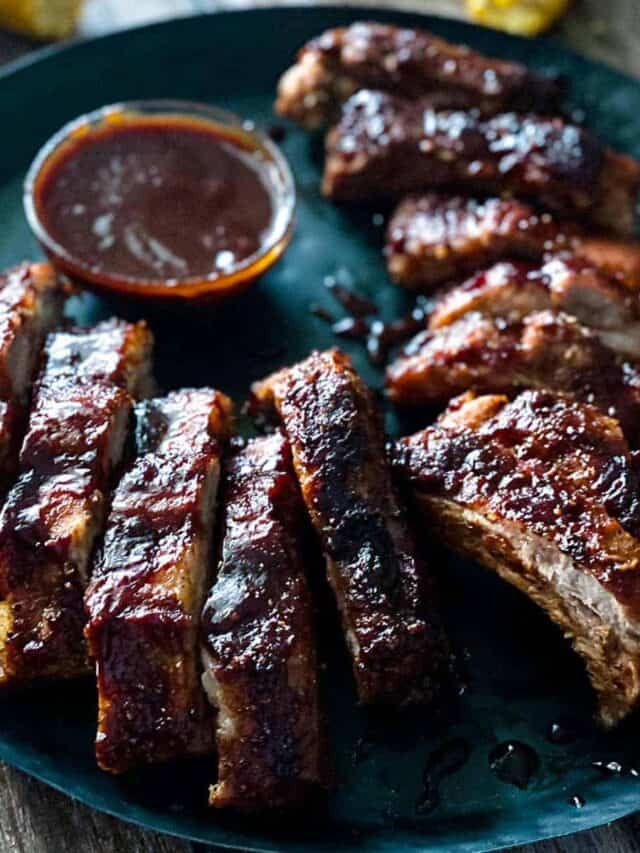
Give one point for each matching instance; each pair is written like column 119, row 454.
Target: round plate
column 521, row 674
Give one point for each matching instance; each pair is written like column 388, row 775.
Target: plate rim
column 41, row 55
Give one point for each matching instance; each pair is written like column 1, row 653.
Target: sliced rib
column 31, row 302
column 545, row 491
column 74, row 441
column 338, row 447
column 258, row 642
column 410, row 62
column 547, row 349
column 385, row 146
column 432, row 239
column 149, row 583
column 512, row 291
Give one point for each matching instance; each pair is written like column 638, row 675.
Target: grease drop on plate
column 514, row 762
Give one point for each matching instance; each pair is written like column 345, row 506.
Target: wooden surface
column 36, row 819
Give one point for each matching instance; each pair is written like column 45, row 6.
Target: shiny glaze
column 338, row 448
column 386, row 146
column 257, row 628
column 31, row 302
column 567, row 283
column 143, row 602
column 411, row 62
column 547, row 349
column 560, row 468
column 81, row 403
column 414, row 62
column 433, row 238
column 116, row 199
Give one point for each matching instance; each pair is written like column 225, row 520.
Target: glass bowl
column 218, row 284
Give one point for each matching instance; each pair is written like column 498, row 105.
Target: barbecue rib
column 338, row 448
column 258, row 645
column 432, row 239
column 77, row 427
column 544, row 491
column 512, row 291
column 149, row 583
column 547, row 349
column 31, row 301
column 413, row 63
column 385, row 146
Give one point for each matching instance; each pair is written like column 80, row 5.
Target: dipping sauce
column 163, row 199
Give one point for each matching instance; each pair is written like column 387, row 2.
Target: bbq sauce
column 163, row 197
column 514, row 762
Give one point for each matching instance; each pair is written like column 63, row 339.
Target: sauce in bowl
column 161, row 203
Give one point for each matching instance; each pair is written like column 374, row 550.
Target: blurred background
column 599, row 29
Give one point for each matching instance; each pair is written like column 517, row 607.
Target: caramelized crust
column 385, row 146
column 546, row 349
column 567, row 283
column 545, row 491
column 76, row 432
column 31, row 301
column 258, row 644
column 144, row 600
column 409, row 62
column 338, row 449
column 432, row 239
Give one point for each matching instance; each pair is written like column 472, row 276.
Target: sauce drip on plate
column 164, row 197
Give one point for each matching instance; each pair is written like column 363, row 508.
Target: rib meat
column 512, row 291
column 410, row 62
column 149, row 583
column 545, row 491
column 31, row 301
column 432, row 239
column 258, row 645
column 338, row 448
column 385, row 146
column 77, row 427
column 547, row 349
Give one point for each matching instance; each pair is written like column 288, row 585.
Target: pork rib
column 547, row 349
column 338, row 448
column 512, row 291
column 545, row 491
column 432, row 239
column 149, row 583
column 31, row 302
column 258, row 645
column 410, row 62
column 386, row 146
column 74, row 441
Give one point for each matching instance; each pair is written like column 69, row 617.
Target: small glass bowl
column 213, row 286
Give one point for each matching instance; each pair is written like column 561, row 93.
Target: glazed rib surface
column 338, row 448
column 432, row 239
column 545, row 491
column 385, row 146
column 411, row 62
column 258, row 643
column 512, row 290
column 546, row 349
column 150, row 578
column 74, row 441
column 31, row 302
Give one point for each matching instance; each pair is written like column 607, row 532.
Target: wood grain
column 36, row 819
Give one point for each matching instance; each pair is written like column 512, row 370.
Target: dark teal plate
column 521, row 675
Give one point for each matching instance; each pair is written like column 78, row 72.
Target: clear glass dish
column 274, row 171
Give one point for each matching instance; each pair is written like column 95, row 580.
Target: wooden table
column 36, row 819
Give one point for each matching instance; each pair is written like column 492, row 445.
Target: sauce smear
column 164, row 197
